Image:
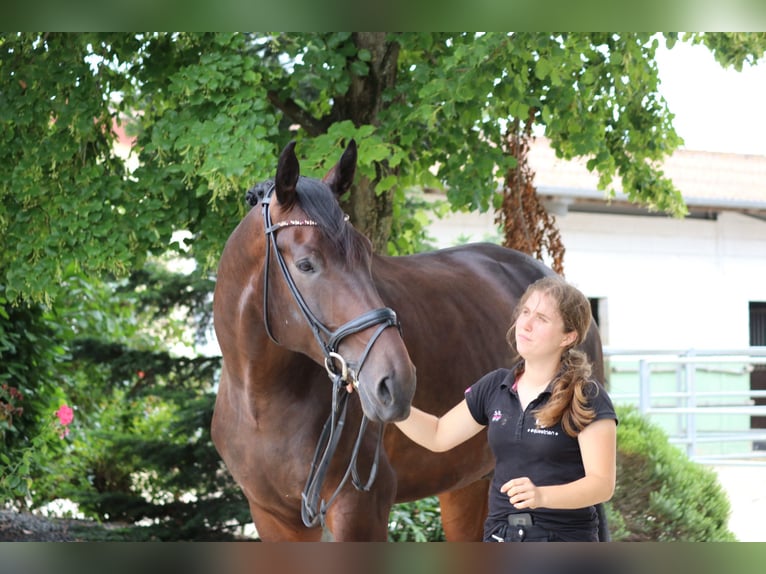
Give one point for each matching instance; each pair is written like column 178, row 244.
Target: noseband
column 312, row 509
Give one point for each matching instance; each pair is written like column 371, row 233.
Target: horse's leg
column 271, row 528
column 464, row 511
column 360, row 517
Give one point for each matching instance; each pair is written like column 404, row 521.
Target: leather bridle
column 312, row 509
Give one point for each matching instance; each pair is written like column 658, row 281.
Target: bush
column 661, row 495
column 418, row 521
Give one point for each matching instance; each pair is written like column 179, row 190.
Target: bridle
column 312, row 509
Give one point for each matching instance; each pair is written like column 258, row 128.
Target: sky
column 716, row 109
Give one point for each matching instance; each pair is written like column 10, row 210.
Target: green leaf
column 385, row 184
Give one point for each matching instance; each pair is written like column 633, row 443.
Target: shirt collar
column 517, row 370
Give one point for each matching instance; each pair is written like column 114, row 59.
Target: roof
column 706, row 180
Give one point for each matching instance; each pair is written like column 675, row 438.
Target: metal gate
column 715, row 416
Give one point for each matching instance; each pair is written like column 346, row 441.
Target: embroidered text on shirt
column 548, row 432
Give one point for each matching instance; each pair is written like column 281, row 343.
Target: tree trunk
column 369, row 212
column 362, row 103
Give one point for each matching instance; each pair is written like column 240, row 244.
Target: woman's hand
column 522, row 493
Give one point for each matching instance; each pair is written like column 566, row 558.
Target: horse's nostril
column 384, row 391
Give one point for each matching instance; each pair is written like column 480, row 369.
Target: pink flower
column 65, row 415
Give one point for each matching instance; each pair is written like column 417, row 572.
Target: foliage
column 142, row 452
column 16, row 475
column 661, row 495
column 210, row 111
column 33, row 383
column 418, row 521
column 410, row 232
column 735, row 49
column 151, row 461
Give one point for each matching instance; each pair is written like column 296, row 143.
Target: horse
column 304, row 312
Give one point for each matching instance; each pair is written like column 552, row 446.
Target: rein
column 313, row 509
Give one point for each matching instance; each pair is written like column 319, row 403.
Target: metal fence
column 668, row 388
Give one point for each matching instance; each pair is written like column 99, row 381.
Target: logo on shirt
column 543, row 431
column 496, row 416
column 539, row 429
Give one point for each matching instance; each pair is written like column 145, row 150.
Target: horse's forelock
column 256, row 193
column 318, row 202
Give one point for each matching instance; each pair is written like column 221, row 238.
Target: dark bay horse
column 302, row 309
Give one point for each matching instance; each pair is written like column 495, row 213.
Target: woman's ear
column 569, row 339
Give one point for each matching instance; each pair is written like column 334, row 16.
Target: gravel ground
column 28, row 527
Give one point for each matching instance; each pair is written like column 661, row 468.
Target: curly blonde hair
column 569, row 398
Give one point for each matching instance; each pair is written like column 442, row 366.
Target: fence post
column 644, row 400
column 691, row 403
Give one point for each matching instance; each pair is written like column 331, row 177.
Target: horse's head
column 323, row 302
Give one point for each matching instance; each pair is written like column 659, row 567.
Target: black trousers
column 521, row 528
column 508, row 533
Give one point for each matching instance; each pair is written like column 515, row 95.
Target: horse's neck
column 272, row 377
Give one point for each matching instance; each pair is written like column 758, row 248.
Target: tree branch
column 293, row 111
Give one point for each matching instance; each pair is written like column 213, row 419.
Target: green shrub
column 418, row 521
column 661, row 495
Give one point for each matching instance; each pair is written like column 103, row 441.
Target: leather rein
column 313, row 509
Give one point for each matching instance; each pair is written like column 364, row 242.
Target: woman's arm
column 440, row 433
column 598, row 445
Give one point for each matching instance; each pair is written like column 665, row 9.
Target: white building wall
column 667, row 283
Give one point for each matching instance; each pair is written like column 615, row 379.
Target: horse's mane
column 319, row 204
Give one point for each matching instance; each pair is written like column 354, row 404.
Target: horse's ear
column 341, row 176
column 288, row 171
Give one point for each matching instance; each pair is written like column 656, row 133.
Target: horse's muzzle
column 389, row 398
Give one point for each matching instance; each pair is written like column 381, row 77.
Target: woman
column 551, row 427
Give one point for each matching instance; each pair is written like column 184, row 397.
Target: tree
column 210, row 111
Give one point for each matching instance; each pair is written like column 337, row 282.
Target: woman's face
column 540, row 328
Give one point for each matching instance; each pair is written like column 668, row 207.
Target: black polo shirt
column 548, row 456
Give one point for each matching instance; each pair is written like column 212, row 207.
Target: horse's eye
column 304, row 266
